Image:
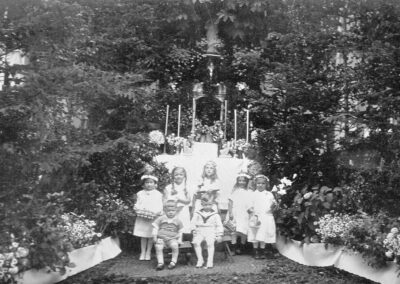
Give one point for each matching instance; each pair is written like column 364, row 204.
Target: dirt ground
column 126, row 268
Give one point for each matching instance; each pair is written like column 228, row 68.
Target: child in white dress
column 208, row 186
column 148, row 206
column 239, row 202
column 207, row 227
column 262, row 228
column 177, row 191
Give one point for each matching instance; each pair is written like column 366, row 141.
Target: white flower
column 307, row 195
column 282, row 192
column 394, row 230
column 286, row 181
column 389, row 254
column 15, row 244
column 156, row 137
column 294, row 176
column 274, row 189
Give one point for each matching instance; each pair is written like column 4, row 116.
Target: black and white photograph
column 199, row 141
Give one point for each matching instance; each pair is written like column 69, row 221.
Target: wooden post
column 247, row 125
column 166, row 129
column 179, row 121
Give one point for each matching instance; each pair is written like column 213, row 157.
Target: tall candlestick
column 235, row 122
column 166, row 128
column 226, row 117
column 194, row 115
column 179, row 120
column 247, row 125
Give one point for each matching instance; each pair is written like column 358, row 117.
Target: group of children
column 198, row 215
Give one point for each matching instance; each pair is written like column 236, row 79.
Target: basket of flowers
column 145, row 213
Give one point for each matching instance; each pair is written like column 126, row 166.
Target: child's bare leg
column 210, row 251
column 199, row 255
column 175, row 253
column 148, row 248
column 159, row 252
column 143, row 244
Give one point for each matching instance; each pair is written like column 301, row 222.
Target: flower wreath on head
column 261, row 176
column 149, row 177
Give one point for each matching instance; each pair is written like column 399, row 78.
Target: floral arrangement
column 80, row 231
column 336, row 228
column 283, row 186
column 175, row 141
column 214, row 130
column 13, row 261
column 156, row 137
column 241, row 145
column 392, row 244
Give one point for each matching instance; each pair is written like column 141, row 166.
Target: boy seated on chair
column 207, row 226
column 167, row 232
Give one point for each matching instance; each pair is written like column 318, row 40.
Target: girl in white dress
column 262, row 228
column 149, row 200
column 178, row 192
column 239, row 202
column 208, row 186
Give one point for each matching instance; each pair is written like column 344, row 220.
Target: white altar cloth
column 227, row 169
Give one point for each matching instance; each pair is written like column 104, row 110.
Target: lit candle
column 226, row 117
column 179, row 120
column 193, row 115
column 247, row 125
column 166, row 121
column 235, row 122
column 166, row 128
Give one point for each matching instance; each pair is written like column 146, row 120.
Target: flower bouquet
column 156, row 137
column 230, row 225
column 175, row 143
column 79, row 230
column 392, row 244
column 13, row 261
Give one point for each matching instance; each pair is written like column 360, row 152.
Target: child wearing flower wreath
column 208, row 186
column 167, row 232
column 148, row 205
column 239, row 202
column 207, row 227
column 177, row 191
column 262, row 229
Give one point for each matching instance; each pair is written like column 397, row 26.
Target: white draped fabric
column 319, row 255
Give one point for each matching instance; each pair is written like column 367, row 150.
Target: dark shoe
column 263, row 254
column 238, row 249
column 171, row 265
column 160, row 266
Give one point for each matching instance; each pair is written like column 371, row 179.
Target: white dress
column 150, row 200
column 184, row 212
column 261, row 204
column 241, row 199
